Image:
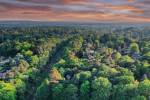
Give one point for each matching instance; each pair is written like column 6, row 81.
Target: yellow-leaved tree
column 54, row 75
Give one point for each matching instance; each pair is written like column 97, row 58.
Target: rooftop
column 2, row 75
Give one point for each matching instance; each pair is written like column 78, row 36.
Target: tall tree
column 101, row 88
column 85, row 91
column 144, row 88
column 134, row 48
column 96, row 44
column 116, row 55
column 54, row 75
column 71, row 92
column 58, row 92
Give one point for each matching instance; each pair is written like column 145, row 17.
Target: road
column 39, row 81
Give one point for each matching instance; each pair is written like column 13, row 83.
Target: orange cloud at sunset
column 30, row 12
column 122, row 7
column 75, row 10
column 139, row 19
column 129, row 0
column 80, row 2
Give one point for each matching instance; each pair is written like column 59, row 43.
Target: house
column 2, row 63
column 135, row 55
column 115, row 50
column 83, row 52
column 6, row 70
column 109, row 57
column 91, row 51
column 87, row 57
column 6, row 61
column 84, row 48
column 2, row 57
column 127, row 46
column 2, row 75
column 127, row 51
column 90, row 62
column 102, row 44
column 13, row 60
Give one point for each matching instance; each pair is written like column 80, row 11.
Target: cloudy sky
column 76, row 10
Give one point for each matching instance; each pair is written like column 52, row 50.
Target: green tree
column 101, row 89
column 144, row 88
column 28, row 54
column 33, row 61
column 43, row 92
column 131, row 91
column 115, row 55
column 124, row 92
column 21, row 89
column 144, row 77
column 84, row 76
column 146, row 57
column 80, row 53
column 133, row 44
column 143, row 44
column 58, row 92
column 145, row 50
column 139, row 98
column 17, row 48
column 7, row 91
column 125, row 71
column 88, row 45
column 134, row 48
column 87, row 52
column 110, row 44
column 108, row 73
column 96, row 44
column 118, row 92
column 71, row 92
column 126, row 79
column 85, row 91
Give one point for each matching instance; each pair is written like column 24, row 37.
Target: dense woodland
column 110, row 73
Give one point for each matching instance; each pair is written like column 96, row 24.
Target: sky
column 76, row 10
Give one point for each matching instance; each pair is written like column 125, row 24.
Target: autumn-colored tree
column 54, row 75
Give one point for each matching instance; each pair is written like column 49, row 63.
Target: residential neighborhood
column 74, row 63
column 4, row 69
